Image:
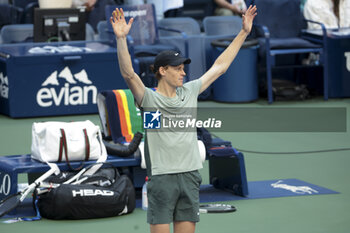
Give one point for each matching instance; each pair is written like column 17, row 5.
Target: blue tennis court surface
column 265, row 189
column 257, row 189
column 262, row 189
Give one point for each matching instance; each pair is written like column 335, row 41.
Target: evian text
column 71, row 93
column 67, row 95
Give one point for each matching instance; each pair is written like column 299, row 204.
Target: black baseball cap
column 171, row 58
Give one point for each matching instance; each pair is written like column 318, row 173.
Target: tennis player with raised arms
column 172, row 156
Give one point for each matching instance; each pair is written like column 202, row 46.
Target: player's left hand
column 120, row 27
column 248, row 17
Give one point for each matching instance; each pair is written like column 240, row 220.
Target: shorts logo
column 152, row 120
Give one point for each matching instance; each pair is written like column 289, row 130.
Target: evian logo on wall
column 54, row 93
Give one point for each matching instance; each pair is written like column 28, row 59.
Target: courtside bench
column 226, row 169
column 11, row 166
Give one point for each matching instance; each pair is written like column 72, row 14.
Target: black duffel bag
column 98, row 197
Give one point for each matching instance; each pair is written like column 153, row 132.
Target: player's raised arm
column 121, row 30
column 225, row 59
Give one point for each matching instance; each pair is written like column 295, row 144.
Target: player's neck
column 166, row 90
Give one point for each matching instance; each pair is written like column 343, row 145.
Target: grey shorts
column 173, row 197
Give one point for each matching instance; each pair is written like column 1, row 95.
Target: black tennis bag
column 98, row 197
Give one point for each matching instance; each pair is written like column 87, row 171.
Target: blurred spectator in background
column 167, row 8
column 172, row 8
column 158, row 5
column 302, row 3
column 88, row 4
column 332, row 13
column 134, row 2
column 95, row 9
column 230, row 7
column 47, row 4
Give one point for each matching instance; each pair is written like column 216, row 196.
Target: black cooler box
column 227, row 169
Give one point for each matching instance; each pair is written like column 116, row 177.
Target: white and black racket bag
column 104, row 194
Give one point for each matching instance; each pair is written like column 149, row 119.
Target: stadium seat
column 185, row 24
column 98, row 12
column 89, row 33
column 10, row 14
column 28, row 9
column 102, row 30
column 18, row 33
column 215, row 28
column 144, row 34
column 221, row 25
column 23, row 3
column 28, row 12
column 143, row 38
column 278, row 26
column 198, row 9
column 190, row 44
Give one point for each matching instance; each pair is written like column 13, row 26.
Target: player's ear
column 162, row 70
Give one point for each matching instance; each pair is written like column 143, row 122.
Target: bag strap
column 60, row 151
column 97, row 176
column 87, row 145
column 65, row 147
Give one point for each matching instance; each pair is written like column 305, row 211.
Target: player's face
column 176, row 75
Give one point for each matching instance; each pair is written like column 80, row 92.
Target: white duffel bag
column 54, row 141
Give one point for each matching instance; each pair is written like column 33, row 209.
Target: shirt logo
column 152, row 120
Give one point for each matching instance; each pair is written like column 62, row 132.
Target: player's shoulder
column 192, row 84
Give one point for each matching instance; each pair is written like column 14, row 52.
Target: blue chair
column 19, row 33
column 184, row 24
column 190, row 42
column 143, row 39
column 89, row 32
column 98, row 13
column 23, row 3
column 10, row 14
column 16, row 33
column 102, row 30
column 278, row 26
column 28, row 9
column 28, row 12
column 234, row 85
column 215, row 28
column 219, row 27
column 222, row 25
column 198, row 10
